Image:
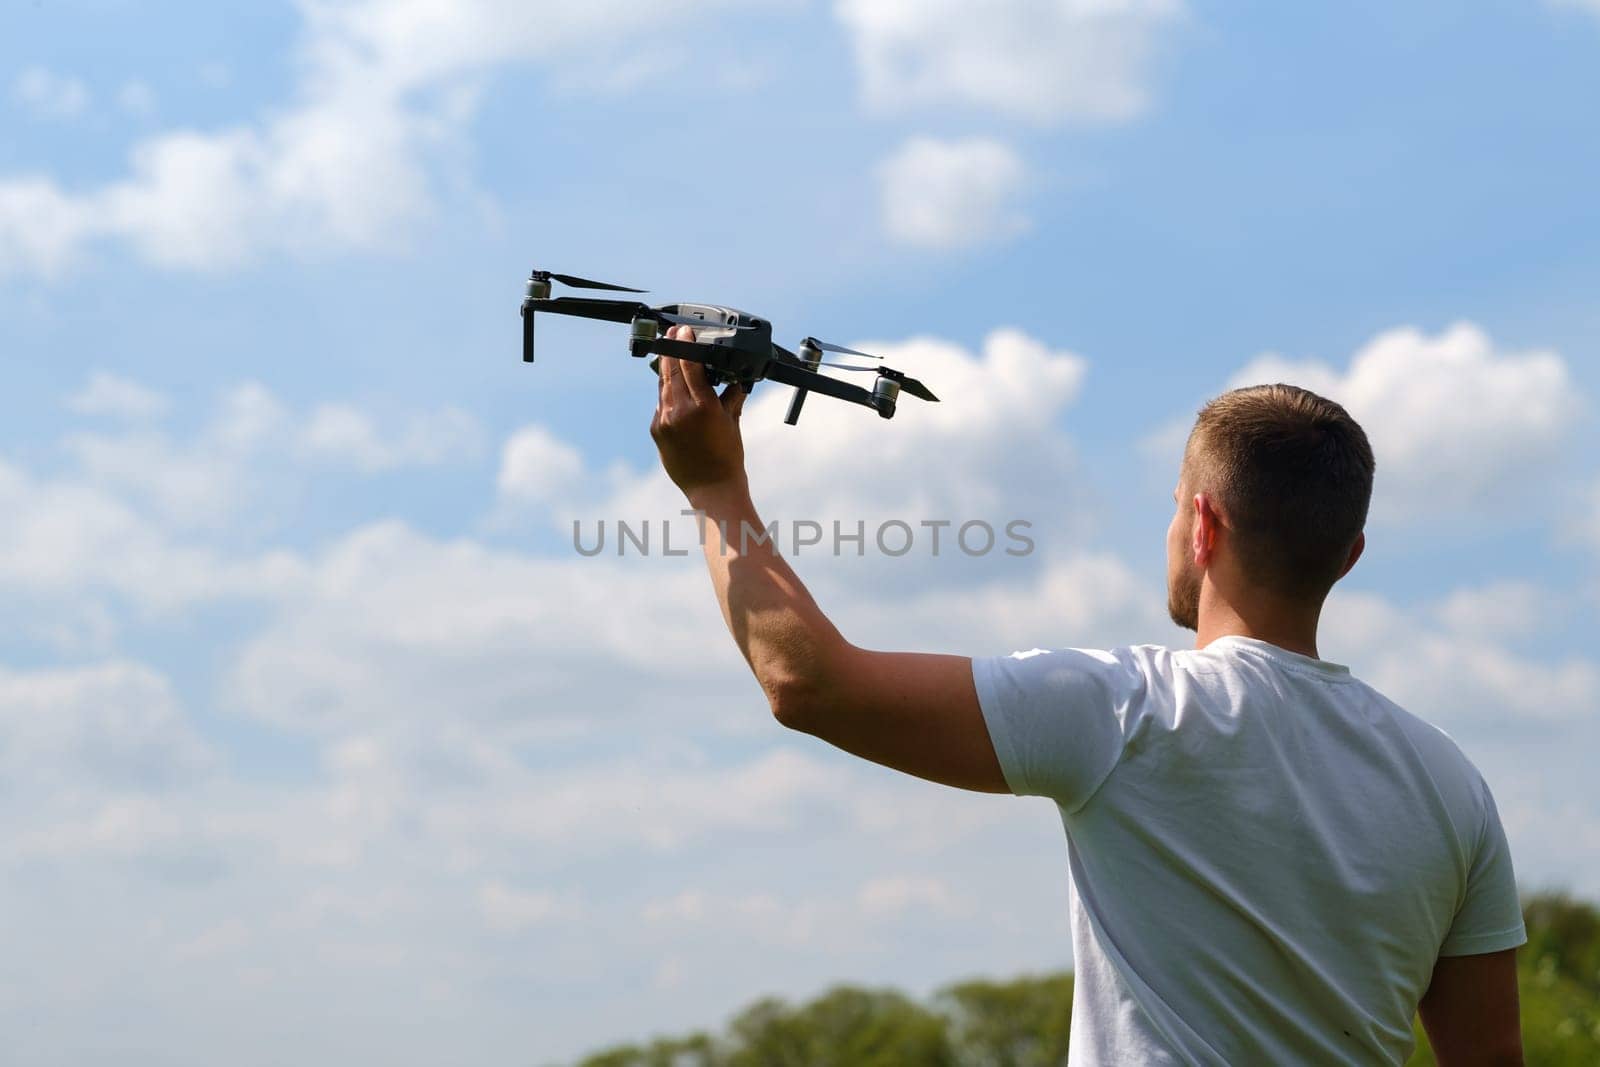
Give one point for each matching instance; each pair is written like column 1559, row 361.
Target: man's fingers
column 677, row 385
column 673, row 390
column 733, row 399
column 699, row 383
column 692, row 374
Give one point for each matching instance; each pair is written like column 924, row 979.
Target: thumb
column 733, row 400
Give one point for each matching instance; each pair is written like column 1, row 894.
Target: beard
column 1183, row 599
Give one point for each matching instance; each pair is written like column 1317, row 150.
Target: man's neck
column 1264, row 620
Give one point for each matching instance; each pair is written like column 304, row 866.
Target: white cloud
column 385, row 88
column 535, row 465
column 1078, row 600
column 949, row 194
column 1502, row 609
column 950, row 458
column 345, row 435
column 115, row 726
column 200, row 481
column 506, row 909
column 1456, row 423
column 1042, row 61
column 42, row 227
column 1592, row 6
column 298, row 180
column 184, row 485
column 65, row 544
column 896, row 895
column 394, row 624
column 142, row 521
column 1461, row 679
column 108, row 394
column 789, row 919
column 48, row 95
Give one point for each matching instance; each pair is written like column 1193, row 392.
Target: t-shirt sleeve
column 1490, row 916
column 1057, row 719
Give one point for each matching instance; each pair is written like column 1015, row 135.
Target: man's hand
column 697, row 432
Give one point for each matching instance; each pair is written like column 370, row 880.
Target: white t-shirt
column 1267, row 855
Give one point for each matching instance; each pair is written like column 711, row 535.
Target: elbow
column 795, row 705
column 804, row 690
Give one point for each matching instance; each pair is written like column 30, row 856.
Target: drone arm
column 587, row 308
column 811, row 381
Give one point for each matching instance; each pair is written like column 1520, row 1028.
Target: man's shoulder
column 1430, row 739
column 1439, row 752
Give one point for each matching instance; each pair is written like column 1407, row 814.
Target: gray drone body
column 733, row 345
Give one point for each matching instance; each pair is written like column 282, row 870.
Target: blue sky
column 300, row 669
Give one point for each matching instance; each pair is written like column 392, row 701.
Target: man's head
column 1271, row 500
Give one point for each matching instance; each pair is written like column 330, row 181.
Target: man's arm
column 1471, row 1012
column 916, row 713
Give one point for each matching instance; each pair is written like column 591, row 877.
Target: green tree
column 1020, row 1023
column 1564, row 935
column 847, row 1027
column 696, row 1050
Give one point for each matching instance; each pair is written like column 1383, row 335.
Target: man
column 1270, row 862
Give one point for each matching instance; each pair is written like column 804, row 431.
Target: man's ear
column 1207, row 524
column 1355, row 552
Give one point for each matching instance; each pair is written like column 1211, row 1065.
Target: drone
column 734, row 346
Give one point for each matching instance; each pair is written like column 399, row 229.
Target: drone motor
column 885, row 392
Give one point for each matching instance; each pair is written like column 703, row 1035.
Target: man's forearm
column 787, row 640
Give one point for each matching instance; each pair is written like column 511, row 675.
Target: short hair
column 1292, row 472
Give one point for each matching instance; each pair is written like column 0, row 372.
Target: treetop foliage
column 1024, row 1022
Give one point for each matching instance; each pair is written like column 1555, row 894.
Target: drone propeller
column 908, row 384
column 580, row 283
column 826, row 347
